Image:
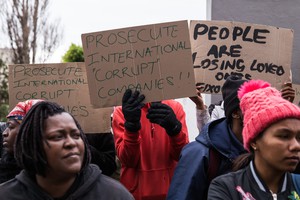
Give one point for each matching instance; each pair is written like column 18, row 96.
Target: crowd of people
column 248, row 147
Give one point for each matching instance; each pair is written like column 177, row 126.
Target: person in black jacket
column 54, row 153
column 271, row 135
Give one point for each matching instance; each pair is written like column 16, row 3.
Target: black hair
column 29, row 149
column 244, row 159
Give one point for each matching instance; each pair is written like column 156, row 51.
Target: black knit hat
column 229, row 93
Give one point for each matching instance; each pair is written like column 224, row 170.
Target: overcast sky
column 84, row 16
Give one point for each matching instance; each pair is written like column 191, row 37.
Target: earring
column 236, row 116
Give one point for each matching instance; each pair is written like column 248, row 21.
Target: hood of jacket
column 89, row 177
column 218, row 134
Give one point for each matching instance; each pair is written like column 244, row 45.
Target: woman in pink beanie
column 271, row 134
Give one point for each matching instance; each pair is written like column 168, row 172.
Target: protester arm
column 202, row 117
column 190, row 179
column 127, row 143
column 202, row 113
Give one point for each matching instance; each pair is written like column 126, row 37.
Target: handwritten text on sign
column 65, row 84
column 154, row 59
column 221, row 48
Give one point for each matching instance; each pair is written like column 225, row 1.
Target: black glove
column 163, row 115
column 131, row 108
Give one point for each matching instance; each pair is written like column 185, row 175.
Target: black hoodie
column 90, row 185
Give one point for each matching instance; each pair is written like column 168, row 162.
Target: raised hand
column 163, row 115
column 288, row 92
column 131, row 108
column 198, row 100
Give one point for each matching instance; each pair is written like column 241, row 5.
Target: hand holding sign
column 131, row 108
column 288, row 92
column 198, row 100
column 163, row 115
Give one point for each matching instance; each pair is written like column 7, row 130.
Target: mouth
column 5, row 144
column 71, row 155
column 293, row 159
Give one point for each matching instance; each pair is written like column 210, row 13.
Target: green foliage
column 3, row 90
column 3, row 112
column 74, row 54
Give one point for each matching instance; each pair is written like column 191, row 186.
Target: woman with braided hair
column 53, row 152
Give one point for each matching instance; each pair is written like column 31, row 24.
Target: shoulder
column 112, row 189
column 195, row 153
column 194, row 147
column 226, row 186
column 229, row 180
column 12, row 189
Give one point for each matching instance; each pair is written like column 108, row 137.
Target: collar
column 234, row 140
column 261, row 184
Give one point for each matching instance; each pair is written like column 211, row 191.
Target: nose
column 295, row 145
column 69, row 142
column 5, row 133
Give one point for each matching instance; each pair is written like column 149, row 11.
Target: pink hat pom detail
column 251, row 86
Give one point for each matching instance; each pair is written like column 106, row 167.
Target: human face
column 63, row 145
column 278, row 148
column 9, row 135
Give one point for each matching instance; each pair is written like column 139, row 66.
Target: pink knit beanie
column 262, row 105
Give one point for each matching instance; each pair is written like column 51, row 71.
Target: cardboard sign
column 64, row 83
column 270, row 12
column 154, row 59
column 221, row 48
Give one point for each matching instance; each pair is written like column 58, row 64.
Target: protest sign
column 154, row 59
column 270, row 12
column 221, row 48
column 64, row 83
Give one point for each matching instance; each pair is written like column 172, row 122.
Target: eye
column 10, row 126
column 298, row 137
column 76, row 135
column 283, row 136
column 55, row 137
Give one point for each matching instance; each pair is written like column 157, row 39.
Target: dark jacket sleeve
column 190, row 180
column 103, row 151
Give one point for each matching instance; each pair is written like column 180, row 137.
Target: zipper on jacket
column 274, row 195
column 152, row 130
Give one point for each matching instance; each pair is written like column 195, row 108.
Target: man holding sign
column 149, row 138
